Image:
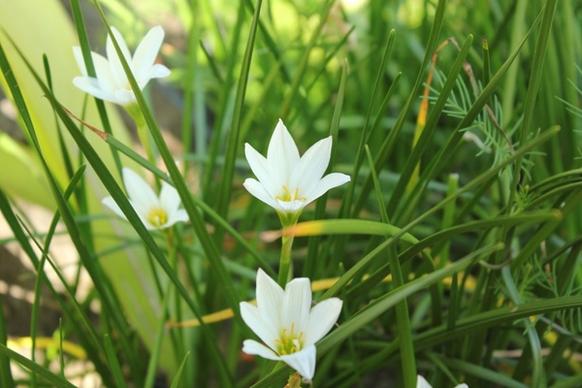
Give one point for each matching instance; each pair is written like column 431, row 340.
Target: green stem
column 142, row 130
column 155, row 352
column 285, row 264
column 177, row 335
column 404, row 327
column 402, row 316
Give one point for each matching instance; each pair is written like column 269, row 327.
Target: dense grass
column 455, row 247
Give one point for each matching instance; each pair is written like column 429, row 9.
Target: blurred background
column 302, row 47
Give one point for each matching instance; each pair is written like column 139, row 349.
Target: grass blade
column 5, row 372
column 46, row 375
column 113, row 362
column 233, row 142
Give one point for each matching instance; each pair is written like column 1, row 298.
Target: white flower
column 286, row 323
column 111, row 83
column 422, row 383
column 154, row 212
column 286, row 181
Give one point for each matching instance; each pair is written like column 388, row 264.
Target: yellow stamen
column 157, row 217
column 287, row 196
column 289, row 342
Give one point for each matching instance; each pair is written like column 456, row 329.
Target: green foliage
column 455, row 247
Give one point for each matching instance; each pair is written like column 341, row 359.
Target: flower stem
column 285, row 262
column 404, row 326
column 178, row 336
column 142, row 130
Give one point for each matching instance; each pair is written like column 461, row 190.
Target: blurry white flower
column 154, row 212
column 111, row 83
column 286, row 181
column 286, row 323
column 422, row 383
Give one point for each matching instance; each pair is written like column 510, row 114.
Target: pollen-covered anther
column 289, row 341
column 156, row 211
column 287, row 196
column 287, row 323
column 157, row 217
column 287, row 181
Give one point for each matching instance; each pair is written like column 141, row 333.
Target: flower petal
column 260, row 167
column 463, row 385
column 117, row 71
column 255, row 348
column 282, row 155
column 296, row 304
column 269, row 299
column 327, row 183
column 146, row 52
column 158, row 71
column 78, row 54
column 178, row 215
column 254, row 187
column 93, row 87
column 102, row 69
column 140, row 193
column 112, row 205
column 169, row 198
column 124, row 96
column 291, row 206
column 302, row 361
column 422, row 383
column 311, row 167
column 321, row 319
column 251, row 316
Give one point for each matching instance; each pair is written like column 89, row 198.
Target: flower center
column 157, row 216
column 289, row 341
column 288, row 196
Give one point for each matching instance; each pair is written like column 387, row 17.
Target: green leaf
column 113, row 362
column 383, row 303
column 5, row 372
column 45, row 374
column 482, row 372
column 178, row 375
column 233, row 141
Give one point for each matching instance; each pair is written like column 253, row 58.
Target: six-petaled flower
column 286, row 181
column 111, row 83
column 287, row 324
column 155, row 212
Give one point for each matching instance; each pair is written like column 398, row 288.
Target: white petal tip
column 160, row 71
column 280, row 128
column 158, row 29
column 303, row 362
column 421, row 382
column 255, row 348
column 261, row 273
column 247, row 183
